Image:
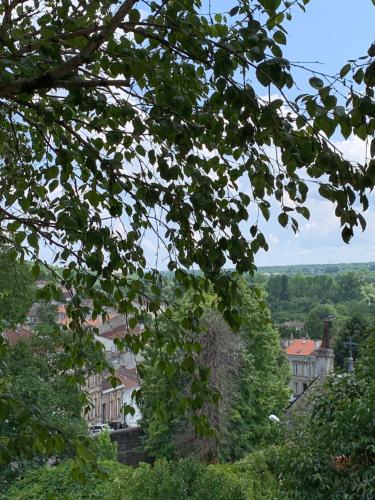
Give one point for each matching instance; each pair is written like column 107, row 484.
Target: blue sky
column 331, row 32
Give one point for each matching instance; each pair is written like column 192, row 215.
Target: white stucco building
column 131, row 420
column 309, row 359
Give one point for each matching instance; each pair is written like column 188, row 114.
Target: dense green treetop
column 248, row 370
column 41, row 406
column 17, row 291
column 347, row 296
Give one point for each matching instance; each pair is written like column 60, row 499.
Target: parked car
column 115, row 425
column 95, row 429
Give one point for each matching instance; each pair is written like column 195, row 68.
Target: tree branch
column 46, row 80
column 96, row 82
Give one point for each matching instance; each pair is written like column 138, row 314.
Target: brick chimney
column 326, row 341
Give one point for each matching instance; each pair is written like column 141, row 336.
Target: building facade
column 93, row 389
column 107, row 402
column 309, row 359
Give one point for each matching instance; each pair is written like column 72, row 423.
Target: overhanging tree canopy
column 121, row 118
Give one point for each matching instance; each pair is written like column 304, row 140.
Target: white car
column 95, row 429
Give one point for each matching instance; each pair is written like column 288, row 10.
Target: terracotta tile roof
column 129, row 373
column 129, row 384
column 65, row 320
column 119, row 332
column 128, row 378
column 301, row 347
column 17, row 335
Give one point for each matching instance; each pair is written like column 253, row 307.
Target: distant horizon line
column 328, row 264
column 321, row 264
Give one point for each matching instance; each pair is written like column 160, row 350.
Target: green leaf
column 32, row 240
column 35, row 270
column 19, row 237
column 316, row 83
column 345, row 70
column 133, row 322
column 372, row 148
column 371, row 171
column 347, row 234
column 134, row 16
column 358, row 76
column 128, row 410
column 271, row 5
column 234, row 11
column 283, row 219
column 280, row 37
column 304, row 211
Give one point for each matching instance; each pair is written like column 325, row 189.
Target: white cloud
column 353, row 149
column 274, row 240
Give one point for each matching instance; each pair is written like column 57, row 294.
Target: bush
column 256, row 476
column 58, row 483
column 178, row 480
column 185, row 479
column 105, row 449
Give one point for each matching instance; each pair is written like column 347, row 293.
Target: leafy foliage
column 105, row 448
column 17, row 289
column 315, row 318
column 44, row 414
column 58, row 482
column 167, row 421
column 347, row 295
column 260, row 387
column 185, row 479
column 330, row 453
column 124, row 119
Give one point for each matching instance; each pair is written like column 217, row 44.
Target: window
column 295, row 369
column 295, row 387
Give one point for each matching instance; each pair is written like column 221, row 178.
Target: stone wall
column 129, row 446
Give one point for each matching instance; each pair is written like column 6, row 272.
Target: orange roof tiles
column 129, row 384
column 65, row 320
column 127, row 376
column 120, row 332
column 301, row 347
